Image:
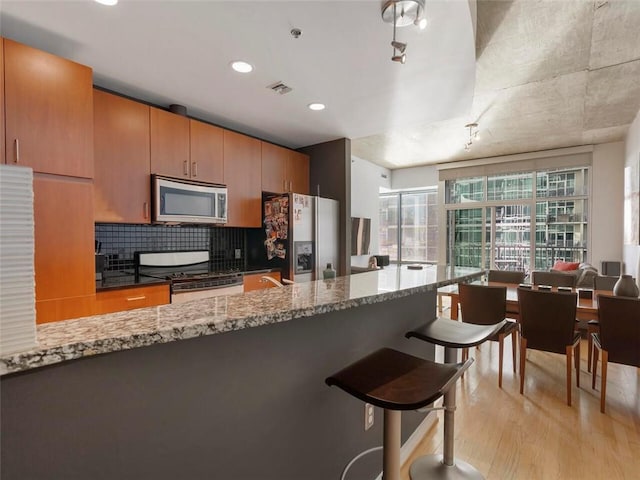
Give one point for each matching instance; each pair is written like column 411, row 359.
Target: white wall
column 366, row 180
column 606, row 215
column 631, row 253
column 415, row 177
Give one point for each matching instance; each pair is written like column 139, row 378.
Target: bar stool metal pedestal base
column 452, row 335
column 445, row 466
column 396, row 381
column 433, row 467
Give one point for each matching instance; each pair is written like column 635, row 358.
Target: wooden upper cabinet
column 284, row 170
column 298, row 172
column 64, row 247
column 185, row 148
column 206, row 152
column 2, row 147
column 169, row 144
column 122, row 159
column 274, row 168
column 242, row 175
column 48, row 112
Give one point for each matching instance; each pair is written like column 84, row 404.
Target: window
column 388, row 240
column 411, row 236
column 465, row 239
column 509, row 187
column 498, row 232
column 465, row 190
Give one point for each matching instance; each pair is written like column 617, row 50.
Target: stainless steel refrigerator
column 301, row 235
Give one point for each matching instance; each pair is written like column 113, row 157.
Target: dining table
column 586, row 308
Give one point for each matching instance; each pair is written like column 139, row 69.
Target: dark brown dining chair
column 603, row 282
column 593, row 326
column 618, row 339
column 547, row 323
column 506, row 276
column 555, row 279
column 487, row 305
column 600, row 282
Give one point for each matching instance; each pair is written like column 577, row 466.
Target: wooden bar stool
column 396, row 381
column 451, row 335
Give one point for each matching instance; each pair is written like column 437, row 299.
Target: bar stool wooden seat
column 396, row 381
column 452, row 335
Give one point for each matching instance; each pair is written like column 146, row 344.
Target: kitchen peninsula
column 226, row 387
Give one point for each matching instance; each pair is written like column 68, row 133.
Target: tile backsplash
column 118, row 242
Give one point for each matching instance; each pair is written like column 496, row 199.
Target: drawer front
column 130, row 298
column 255, row 281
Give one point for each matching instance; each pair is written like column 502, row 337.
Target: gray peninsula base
column 245, row 405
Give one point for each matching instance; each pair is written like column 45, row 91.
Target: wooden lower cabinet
column 64, row 247
column 110, row 301
column 254, row 281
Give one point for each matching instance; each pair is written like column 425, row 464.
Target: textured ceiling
column 166, row 52
column 549, row 74
column 546, row 74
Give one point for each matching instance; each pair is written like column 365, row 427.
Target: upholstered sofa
column 355, row 269
column 584, row 273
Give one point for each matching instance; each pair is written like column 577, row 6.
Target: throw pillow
column 565, row 266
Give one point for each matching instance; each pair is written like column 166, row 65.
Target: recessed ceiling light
column 242, row 67
column 110, row 3
column 316, row 106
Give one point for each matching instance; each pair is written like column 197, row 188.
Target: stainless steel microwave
column 183, row 201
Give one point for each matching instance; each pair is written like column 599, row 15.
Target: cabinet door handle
column 194, row 169
column 17, row 144
column 185, row 168
column 290, row 186
column 133, row 299
column 284, row 185
column 145, row 209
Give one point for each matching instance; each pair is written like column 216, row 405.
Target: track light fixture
column 473, row 135
column 421, row 23
column 401, row 47
column 402, row 13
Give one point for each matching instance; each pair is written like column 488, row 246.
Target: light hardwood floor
column 537, row 435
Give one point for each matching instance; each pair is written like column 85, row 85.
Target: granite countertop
column 83, row 337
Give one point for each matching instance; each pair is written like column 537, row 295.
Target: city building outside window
column 409, row 226
column 503, row 222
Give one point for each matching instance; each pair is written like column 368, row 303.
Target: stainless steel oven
column 189, row 273
column 205, row 285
